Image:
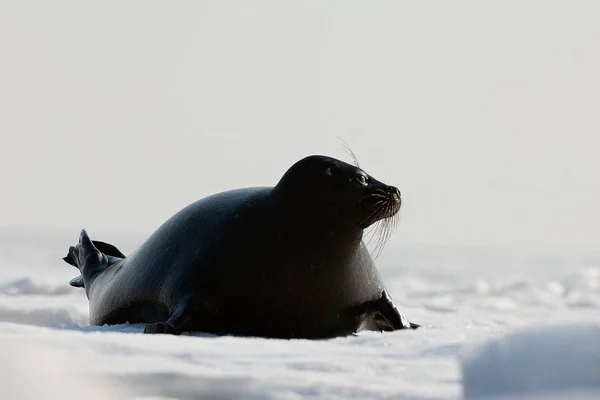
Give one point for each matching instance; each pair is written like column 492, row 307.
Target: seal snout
column 394, row 193
column 395, row 199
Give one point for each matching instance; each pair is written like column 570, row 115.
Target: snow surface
column 515, row 324
column 561, row 361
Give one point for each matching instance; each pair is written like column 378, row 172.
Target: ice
column 506, row 330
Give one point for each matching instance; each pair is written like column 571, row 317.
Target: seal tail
column 107, row 249
column 87, row 258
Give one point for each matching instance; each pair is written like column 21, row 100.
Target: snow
column 504, row 324
column 535, row 363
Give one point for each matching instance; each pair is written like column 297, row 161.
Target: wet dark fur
column 283, row 262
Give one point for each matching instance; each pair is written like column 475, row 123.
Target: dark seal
column 281, row 262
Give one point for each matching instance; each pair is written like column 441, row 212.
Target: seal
column 287, row 261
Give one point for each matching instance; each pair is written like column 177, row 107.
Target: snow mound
column 27, row 286
column 551, row 362
column 47, row 316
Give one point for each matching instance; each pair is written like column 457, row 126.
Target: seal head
column 343, row 190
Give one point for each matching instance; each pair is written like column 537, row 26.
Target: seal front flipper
column 382, row 315
column 114, row 255
column 390, row 312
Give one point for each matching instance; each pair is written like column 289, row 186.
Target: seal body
column 283, row 262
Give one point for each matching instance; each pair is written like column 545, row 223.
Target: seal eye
column 362, row 179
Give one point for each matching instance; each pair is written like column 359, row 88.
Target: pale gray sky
column 115, row 114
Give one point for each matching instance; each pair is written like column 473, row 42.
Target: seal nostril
column 394, row 192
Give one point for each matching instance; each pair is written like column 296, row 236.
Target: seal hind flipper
column 87, row 258
column 77, row 282
column 69, row 259
column 108, row 249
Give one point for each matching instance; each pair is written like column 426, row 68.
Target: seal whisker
column 370, row 233
column 384, row 229
column 373, row 229
column 374, row 195
column 379, row 204
column 349, row 151
column 381, row 239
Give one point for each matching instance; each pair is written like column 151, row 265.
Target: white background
column 114, row 115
